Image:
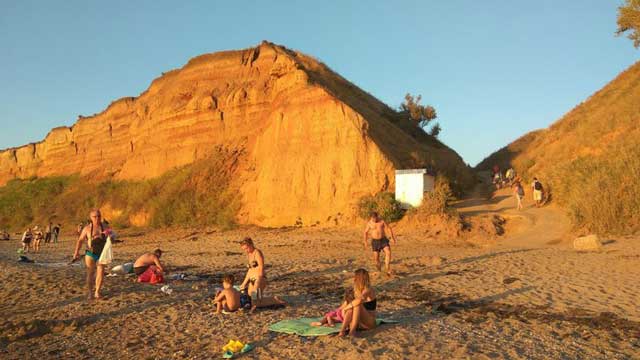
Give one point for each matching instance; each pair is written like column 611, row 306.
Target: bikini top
column 252, row 264
column 370, row 305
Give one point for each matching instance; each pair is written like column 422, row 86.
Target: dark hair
column 247, row 241
column 374, row 214
column 229, row 279
column 348, row 295
column 157, row 252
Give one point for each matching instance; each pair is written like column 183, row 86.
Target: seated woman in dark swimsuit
column 361, row 313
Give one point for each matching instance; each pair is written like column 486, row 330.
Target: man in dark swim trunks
column 95, row 237
column 376, row 228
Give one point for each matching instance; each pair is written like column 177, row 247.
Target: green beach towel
column 303, row 327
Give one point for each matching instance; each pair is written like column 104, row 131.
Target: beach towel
column 303, row 327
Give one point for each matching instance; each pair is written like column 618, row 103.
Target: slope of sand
column 528, row 296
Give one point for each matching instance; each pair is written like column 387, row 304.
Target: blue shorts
column 92, row 255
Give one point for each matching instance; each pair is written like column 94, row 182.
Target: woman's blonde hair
column 361, row 281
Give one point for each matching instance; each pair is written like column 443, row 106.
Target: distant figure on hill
column 56, row 232
column 95, row 238
column 376, row 228
column 538, row 192
column 518, row 191
column 27, row 237
column 510, row 175
column 148, row 267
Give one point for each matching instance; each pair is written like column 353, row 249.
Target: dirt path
column 529, row 228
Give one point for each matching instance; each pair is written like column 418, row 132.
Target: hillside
column 300, row 143
column 590, row 158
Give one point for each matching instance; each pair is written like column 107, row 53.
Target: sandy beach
column 526, row 295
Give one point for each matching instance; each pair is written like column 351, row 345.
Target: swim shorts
column 378, row 244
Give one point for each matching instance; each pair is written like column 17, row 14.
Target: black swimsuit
column 370, row 305
column 98, row 242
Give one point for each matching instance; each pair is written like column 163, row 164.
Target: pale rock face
column 587, row 243
column 311, row 142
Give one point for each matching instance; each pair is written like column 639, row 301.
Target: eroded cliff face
column 311, row 142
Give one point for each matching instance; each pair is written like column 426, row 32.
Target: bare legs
column 387, row 260
column 357, row 318
column 94, row 273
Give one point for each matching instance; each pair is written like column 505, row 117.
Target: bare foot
column 342, row 333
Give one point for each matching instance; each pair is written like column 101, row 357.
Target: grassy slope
column 590, row 158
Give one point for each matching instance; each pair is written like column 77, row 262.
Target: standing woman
column 96, row 238
column 518, row 190
column 256, row 279
column 361, row 312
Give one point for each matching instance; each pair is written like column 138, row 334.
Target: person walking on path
column 377, row 229
column 538, row 192
column 518, row 191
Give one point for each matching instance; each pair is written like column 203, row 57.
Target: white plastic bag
column 107, row 254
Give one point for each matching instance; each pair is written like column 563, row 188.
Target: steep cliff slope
column 590, row 158
column 308, row 142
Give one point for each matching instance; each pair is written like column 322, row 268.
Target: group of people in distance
column 537, row 190
column 32, row 238
column 357, row 310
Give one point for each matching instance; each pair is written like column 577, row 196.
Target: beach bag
column 156, row 278
column 106, row 257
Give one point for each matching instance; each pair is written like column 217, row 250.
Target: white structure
column 411, row 185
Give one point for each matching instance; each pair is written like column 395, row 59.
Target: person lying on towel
column 148, row 268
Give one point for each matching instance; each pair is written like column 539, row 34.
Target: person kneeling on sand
column 361, row 312
column 336, row 315
column 227, row 299
column 148, row 267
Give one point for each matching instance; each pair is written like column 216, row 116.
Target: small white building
column 411, row 184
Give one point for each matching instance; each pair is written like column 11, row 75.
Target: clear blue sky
column 492, row 69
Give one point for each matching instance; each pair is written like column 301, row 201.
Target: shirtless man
column 148, row 262
column 376, row 228
column 94, row 236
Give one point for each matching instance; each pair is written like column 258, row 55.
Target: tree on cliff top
column 421, row 115
column 629, row 20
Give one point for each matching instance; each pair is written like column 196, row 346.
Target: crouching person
column 148, row 268
column 227, row 299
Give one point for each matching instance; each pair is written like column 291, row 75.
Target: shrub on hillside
column 437, row 202
column 384, row 203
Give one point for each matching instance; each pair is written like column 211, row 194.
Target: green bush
column 384, row 203
column 437, row 202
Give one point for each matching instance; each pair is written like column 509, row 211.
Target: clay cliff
column 310, row 143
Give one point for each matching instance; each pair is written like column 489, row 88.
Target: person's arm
column 219, row 297
column 76, row 253
column 158, row 263
column 260, row 260
column 393, row 237
column 366, row 236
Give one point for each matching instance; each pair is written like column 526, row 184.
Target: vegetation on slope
column 589, row 159
column 196, row 194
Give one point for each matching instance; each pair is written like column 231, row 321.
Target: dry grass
column 197, row 194
column 590, row 159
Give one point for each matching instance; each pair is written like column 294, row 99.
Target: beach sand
column 513, row 298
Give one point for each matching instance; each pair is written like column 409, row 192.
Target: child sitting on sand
column 336, row 315
column 227, row 299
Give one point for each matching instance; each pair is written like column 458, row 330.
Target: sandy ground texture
column 527, row 296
